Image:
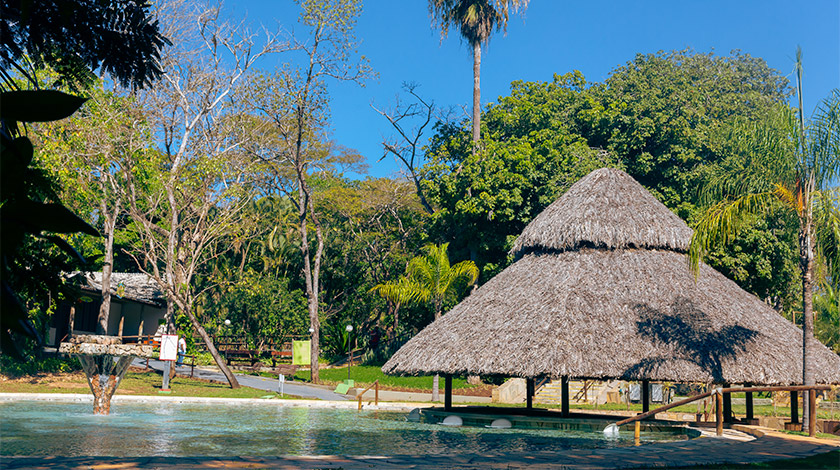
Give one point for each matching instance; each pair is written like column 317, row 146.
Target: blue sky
column 557, row 36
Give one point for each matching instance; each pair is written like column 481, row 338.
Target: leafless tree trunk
column 202, row 179
column 109, row 225
column 299, row 120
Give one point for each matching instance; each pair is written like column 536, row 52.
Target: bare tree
column 418, row 115
column 201, row 185
column 87, row 152
column 295, row 102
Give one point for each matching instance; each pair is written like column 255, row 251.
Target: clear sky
column 555, row 36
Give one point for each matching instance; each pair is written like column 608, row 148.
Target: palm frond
column 762, row 155
column 827, row 234
column 722, row 222
column 824, row 141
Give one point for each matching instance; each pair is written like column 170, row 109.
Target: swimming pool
column 39, row 428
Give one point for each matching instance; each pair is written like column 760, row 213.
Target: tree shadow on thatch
column 689, row 331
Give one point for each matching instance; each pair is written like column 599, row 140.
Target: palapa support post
column 812, row 412
column 529, row 392
column 794, row 407
column 718, row 413
column 727, row 406
column 749, row 402
column 447, row 393
column 645, row 396
column 564, row 406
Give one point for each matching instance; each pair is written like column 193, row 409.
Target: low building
column 137, row 307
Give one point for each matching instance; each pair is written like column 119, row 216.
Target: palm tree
column 401, row 292
column 789, row 165
column 475, row 20
column 430, row 279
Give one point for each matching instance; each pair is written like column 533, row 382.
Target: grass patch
column 134, row 383
column 827, row 460
column 366, row 375
column 14, row 368
column 820, row 435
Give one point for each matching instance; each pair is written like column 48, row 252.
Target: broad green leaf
column 37, row 217
column 38, row 105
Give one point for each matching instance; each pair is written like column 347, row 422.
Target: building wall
column 131, row 313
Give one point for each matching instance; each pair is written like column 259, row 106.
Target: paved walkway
column 305, row 390
column 298, row 389
column 700, row 451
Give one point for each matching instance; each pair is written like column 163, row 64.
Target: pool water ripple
column 144, row 429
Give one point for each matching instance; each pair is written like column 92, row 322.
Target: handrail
column 376, row 395
column 719, row 392
column 583, row 392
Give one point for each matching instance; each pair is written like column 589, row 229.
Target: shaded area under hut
column 602, row 290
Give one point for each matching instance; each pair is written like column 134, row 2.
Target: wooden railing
column 376, row 394
column 583, row 392
column 718, row 392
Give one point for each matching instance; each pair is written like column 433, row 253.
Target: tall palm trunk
column 476, row 117
column 806, row 259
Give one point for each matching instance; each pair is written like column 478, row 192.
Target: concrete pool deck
column 733, row 448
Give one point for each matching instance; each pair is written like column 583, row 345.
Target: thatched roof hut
column 602, row 290
column 132, row 286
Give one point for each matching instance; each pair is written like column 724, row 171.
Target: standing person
column 182, row 350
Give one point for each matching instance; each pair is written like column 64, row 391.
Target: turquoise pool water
column 143, row 429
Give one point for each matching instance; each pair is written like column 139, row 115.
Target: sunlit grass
column 366, row 375
column 134, row 383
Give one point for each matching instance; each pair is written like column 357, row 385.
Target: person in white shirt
column 182, row 350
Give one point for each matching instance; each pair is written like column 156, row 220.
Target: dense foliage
column 665, row 118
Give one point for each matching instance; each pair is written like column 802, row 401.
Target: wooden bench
column 280, row 356
column 239, row 354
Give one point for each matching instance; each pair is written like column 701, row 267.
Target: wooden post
column 447, row 394
column 637, row 431
column 529, row 392
column 645, row 396
column 727, row 407
column 72, row 318
column 749, row 402
column 812, row 412
column 794, row 407
column 564, row 406
column 122, row 322
column 376, row 394
column 719, row 414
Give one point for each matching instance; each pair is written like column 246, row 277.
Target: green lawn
column 366, row 375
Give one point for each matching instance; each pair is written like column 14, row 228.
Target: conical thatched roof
column 605, row 209
column 579, row 309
